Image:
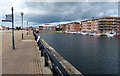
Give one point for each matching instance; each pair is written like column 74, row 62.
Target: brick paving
column 25, row 59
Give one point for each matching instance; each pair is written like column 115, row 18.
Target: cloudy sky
column 48, row 12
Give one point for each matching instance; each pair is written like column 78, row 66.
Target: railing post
column 46, row 62
column 42, row 52
column 46, row 59
column 40, row 45
column 55, row 70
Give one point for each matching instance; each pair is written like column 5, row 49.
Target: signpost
column 10, row 18
column 13, row 45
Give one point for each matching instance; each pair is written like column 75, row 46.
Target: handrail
column 57, row 68
column 54, row 60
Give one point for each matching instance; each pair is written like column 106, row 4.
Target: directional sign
column 8, row 18
column 6, row 21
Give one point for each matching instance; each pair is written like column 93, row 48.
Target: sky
column 41, row 12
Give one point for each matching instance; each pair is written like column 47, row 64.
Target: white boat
column 96, row 34
column 65, row 32
column 110, row 34
column 75, row 32
column 70, row 32
column 92, row 33
column 84, row 33
column 78, row 32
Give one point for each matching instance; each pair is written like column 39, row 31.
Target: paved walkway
column 25, row 59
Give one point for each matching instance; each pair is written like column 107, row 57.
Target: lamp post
column 22, row 22
column 27, row 27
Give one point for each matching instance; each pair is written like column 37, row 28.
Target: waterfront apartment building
column 89, row 25
column 102, row 25
column 74, row 26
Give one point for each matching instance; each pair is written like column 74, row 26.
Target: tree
column 18, row 28
column 58, row 29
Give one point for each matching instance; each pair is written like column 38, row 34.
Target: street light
column 22, row 22
column 27, row 27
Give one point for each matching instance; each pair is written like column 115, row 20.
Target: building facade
column 74, row 26
column 102, row 25
column 47, row 27
column 107, row 24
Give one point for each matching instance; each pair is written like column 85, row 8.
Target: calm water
column 89, row 54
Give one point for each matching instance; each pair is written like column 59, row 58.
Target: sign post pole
column 10, row 18
column 13, row 44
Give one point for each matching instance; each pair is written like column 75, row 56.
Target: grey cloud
column 67, row 11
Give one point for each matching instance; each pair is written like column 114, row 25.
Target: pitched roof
column 3, row 26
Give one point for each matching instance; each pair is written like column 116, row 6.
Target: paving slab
column 25, row 59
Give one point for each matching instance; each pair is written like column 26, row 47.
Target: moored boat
column 117, row 34
column 84, row 33
column 111, row 34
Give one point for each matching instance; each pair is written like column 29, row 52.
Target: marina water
column 89, row 54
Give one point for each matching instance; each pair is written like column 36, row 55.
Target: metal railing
column 50, row 60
